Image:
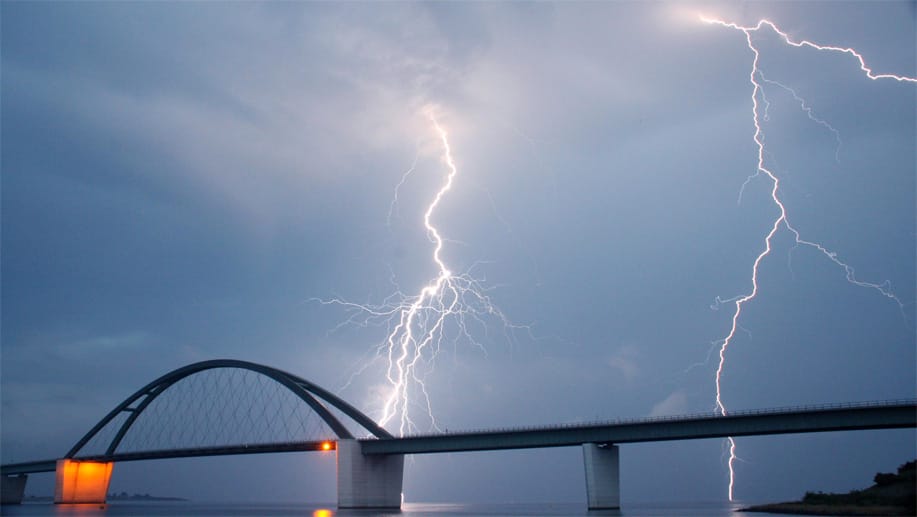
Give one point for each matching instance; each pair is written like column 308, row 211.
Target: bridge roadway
column 223, row 450
column 824, row 418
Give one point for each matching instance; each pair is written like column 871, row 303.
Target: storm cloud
column 180, row 181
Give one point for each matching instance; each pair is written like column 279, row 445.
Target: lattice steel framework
column 243, row 405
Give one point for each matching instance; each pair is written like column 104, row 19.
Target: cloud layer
column 180, row 180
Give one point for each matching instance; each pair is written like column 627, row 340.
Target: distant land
column 123, row 496
column 892, row 494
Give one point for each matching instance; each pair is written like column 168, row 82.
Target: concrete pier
column 82, row 481
column 12, row 489
column 368, row 481
column 603, row 487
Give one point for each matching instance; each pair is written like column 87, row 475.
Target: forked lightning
column 419, row 324
column 782, row 221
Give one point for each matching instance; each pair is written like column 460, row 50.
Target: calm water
column 172, row 509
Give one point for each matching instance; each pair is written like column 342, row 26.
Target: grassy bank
column 891, row 494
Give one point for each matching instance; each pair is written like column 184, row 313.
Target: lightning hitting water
column 782, row 221
column 418, row 323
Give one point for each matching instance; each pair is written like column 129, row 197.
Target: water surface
column 172, row 509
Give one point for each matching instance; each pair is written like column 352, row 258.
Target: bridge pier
column 82, row 481
column 368, row 481
column 12, row 489
column 603, row 488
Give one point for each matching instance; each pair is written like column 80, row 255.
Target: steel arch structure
column 308, row 392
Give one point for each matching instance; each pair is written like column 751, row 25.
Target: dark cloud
column 181, row 179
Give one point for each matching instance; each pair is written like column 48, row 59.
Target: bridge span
column 803, row 419
column 370, row 469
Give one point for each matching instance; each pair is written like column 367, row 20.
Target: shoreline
column 891, row 494
column 799, row 508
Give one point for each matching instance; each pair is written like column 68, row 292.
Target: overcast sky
column 180, row 182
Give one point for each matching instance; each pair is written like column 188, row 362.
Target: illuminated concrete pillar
column 368, row 481
column 603, row 489
column 12, row 489
column 82, row 481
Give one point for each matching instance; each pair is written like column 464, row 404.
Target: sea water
column 172, row 509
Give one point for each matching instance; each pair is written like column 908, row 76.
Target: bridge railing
column 688, row 416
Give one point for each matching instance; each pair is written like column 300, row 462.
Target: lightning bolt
column 419, row 323
column 756, row 78
column 810, row 113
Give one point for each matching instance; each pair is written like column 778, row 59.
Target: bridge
column 229, row 407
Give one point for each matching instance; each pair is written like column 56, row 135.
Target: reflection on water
column 172, row 509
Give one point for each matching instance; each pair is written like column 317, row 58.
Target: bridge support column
column 368, row 481
column 603, row 489
column 82, row 481
column 12, row 489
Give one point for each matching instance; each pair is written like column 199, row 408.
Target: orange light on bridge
column 327, row 446
column 82, row 481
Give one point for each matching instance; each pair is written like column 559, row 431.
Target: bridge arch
column 313, row 395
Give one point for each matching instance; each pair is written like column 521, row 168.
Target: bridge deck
column 899, row 414
column 850, row 417
column 225, row 450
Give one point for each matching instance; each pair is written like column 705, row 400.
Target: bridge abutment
column 12, row 489
column 82, row 481
column 368, row 481
column 603, row 487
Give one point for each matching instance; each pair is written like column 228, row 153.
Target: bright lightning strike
column 445, row 308
column 757, row 99
column 805, row 43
